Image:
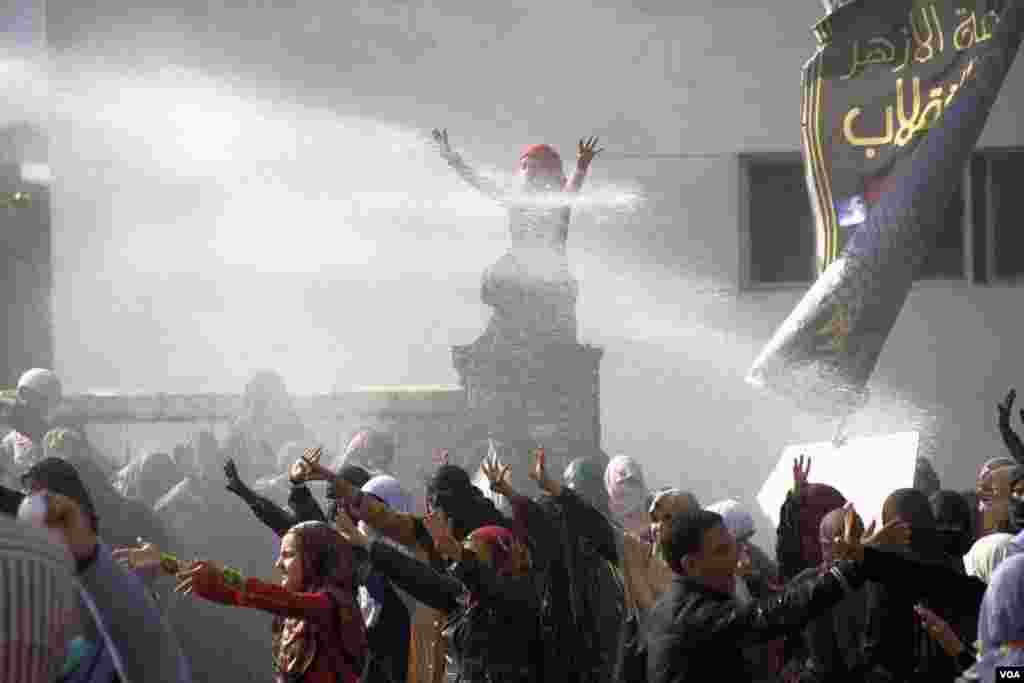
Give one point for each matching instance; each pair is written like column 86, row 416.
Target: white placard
column 865, row 470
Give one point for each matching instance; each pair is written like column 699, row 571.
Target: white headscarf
column 624, row 481
column 389, row 490
column 986, row 554
column 43, row 382
column 738, row 521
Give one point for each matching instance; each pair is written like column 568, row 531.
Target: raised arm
column 768, row 619
column 544, row 526
column 304, row 505
column 582, row 518
column 274, row 516
column 404, row 529
column 1010, row 438
column 787, row 536
column 434, row 589
column 587, row 151
column 226, row 586
column 468, row 174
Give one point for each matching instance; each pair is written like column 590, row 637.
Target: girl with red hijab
column 318, row 631
column 531, row 286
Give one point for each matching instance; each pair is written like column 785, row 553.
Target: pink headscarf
column 995, row 464
column 624, row 480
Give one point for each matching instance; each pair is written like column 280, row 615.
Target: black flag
column 893, row 104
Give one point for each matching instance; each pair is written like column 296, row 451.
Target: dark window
column 1007, row 204
column 979, row 217
column 945, row 244
column 782, row 230
column 781, row 223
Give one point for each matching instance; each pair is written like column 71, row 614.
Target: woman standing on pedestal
column 531, row 288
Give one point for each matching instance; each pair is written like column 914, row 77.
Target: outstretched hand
column 441, row 140
column 850, row 547
column 235, row 483
column 200, row 573
column 146, row 559
column 588, row 150
column 308, row 468
column 538, row 472
column 1006, row 407
column 498, row 476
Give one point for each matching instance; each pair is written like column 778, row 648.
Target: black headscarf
column 59, row 476
column 451, row 490
column 954, row 522
column 912, row 506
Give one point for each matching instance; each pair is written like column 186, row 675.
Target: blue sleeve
column 144, row 646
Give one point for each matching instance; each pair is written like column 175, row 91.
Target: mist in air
column 213, row 221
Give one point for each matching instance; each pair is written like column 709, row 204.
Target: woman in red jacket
column 318, row 632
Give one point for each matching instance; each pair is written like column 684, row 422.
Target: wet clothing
column 492, row 624
column 583, row 595
column 698, row 634
column 531, row 289
column 833, row 650
column 313, row 632
column 798, row 538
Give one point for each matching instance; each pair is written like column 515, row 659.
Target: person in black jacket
column 895, row 641
column 697, row 631
column 584, row 601
column 954, row 522
column 488, row 593
column 832, row 648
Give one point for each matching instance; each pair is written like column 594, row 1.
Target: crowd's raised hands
column 801, row 474
column 539, row 473
column 851, row 547
column 498, row 477
column 308, row 468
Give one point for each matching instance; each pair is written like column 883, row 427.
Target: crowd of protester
column 149, row 572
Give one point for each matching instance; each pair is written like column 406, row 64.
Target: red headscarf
column 494, row 545
column 816, row 501
column 546, row 155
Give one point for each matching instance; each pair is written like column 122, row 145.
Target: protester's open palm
column 200, row 573
column 588, row 149
column 801, row 473
column 498, row 476
column 308, row 468
column 851, row 547
column 441, row 140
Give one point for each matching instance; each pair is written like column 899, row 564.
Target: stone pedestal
column 533, row 392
